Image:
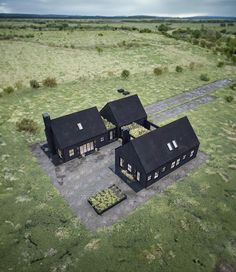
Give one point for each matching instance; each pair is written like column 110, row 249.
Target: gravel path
column 186, row 96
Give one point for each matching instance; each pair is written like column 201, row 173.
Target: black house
column 76, row 134
column 125, row 111
column 146, row 159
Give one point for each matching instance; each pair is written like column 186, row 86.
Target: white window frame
column 170, row 146
column 80, row 126
column 191, row 154
column 121, row 162
column 129, row 168
column 174, row 144
column 163, row 169
column 102, row 139
column 111, row 135
column 149, row 177
column 172, row 165
column 138, row 175
column 184, row 157
column 88, row 147
column 71, row 152
column 59, row 153
column 156, row 175
column 178, row 161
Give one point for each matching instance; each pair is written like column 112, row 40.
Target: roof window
column 80, row 126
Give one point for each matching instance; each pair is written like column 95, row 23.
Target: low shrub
column 126, row 93
column 204, row 77
column 99, row 50
column 220, row 64
column 157, row 71
column 1, row 92
column 27, row 125
column 50, row 82
column 125, row 74
column 229, row 98
column 8, row 90
column 179, row 69
column 34, row 84
column 191, row 65
column 145, row 30
column 100, row 34
column 233, row 86
column 72, row 46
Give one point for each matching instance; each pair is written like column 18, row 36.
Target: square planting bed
column 106, row 199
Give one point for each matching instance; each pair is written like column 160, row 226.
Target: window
column 102, row 139
column 156, row 175
column 91, row 146
column 138, row 175
column 163, row 169
column 184, row 156
column 170, row 146
column 59, row 153
column 129, row 168
column 88, row 146
column 111, row 135
column 174, row 144
column 80, row 126
column 149, row 177
column 177, row 162
column 172, row 165
column 192, row 152
column 71, row 152
column 121, row 162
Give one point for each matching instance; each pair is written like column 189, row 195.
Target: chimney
column 125, row 136
column 48, row 132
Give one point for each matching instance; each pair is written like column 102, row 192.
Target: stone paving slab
column 186, row 96
column 80, row 178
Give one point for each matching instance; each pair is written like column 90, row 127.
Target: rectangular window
column 177, row 162
column 163, row 169
column 138, row 175
column 184, row 157
column 102, row 139
column 59, row 153
column 192, row 152
column 156, row 175
column 172, row 165
column 121, row 162
column 170, row 146
column 80, row 126
column 129, row 168
column 88, row 146
column 149, row 177
column 91, row 146
column 174, row 144
column 111, row 135
column 71, row 152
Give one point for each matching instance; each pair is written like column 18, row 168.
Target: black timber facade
column 152, row 156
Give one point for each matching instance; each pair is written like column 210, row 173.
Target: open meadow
column 191, row 226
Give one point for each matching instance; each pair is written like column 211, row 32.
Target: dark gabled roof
column 152, row 149
column 67, row 132
column 124, row 111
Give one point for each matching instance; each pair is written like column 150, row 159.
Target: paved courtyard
column 80, row 178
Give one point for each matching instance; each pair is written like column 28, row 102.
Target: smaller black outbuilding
column 75, row 134
column 148, row 158
column 124, row 111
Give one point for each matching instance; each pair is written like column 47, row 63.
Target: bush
column 145, row 30
column 179, row 69
column 163, row 28
column 27, row 125
column 157, row 71
column 220, row 64
column 99, row 50
column 125, row 74
column 50, row 82
column 8, row 90
column 204, row 77
column 34, row 84
column 233, row 86
column 229, row 98
column 100, row 34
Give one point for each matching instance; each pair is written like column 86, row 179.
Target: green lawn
column 189, row 227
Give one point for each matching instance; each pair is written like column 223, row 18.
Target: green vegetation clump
column 157, row 71
column 145, row 30
column 34, row 84
column 8, row 90
column 100, row 34
column 233, row 86
column 99, row 49
column 125, row 74
column 204, row 77
column 220, row 64
column 137, row 130
column 229, row 98
column 179, row 69
column 50, row 82
column 27, row 125
column 163, row 28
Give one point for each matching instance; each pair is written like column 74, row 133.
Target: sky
column 179, row 8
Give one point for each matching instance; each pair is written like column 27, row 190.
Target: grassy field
column 189, row 227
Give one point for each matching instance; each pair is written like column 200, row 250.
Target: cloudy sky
column 122, row 7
